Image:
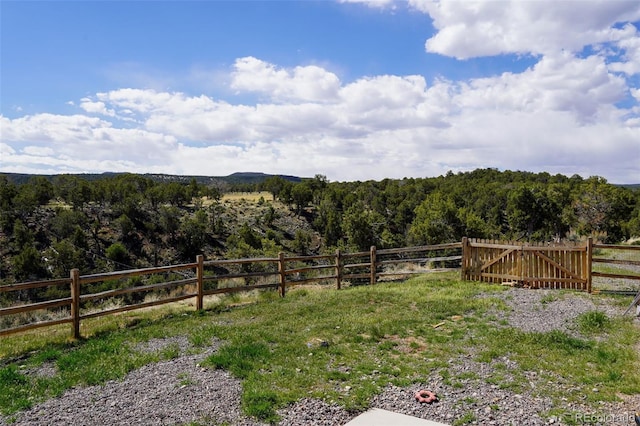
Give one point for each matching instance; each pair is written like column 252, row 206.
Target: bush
column 117, row 253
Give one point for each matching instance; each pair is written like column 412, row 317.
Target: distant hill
column 632, row 186
column 232, row 179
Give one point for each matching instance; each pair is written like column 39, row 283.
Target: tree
column 176, row 194
column 23, row 237
column 118, row 254
column 155, row 195
column 525, row 212
column 126, row 226
column 361, row 226
column 194, row 189
column 193, row 235
column 301, row 243
column 301, row 196
column 63, row 257
column 274, row 185
column 602, row 209
column 317, row 185
column 28, row 264
column 26, row 201
column 42, row 189
column 8, row 213
column 285, row 193
column 328, row 221
column 72, row 189
column 270, row 215
column 65, row 222
column 170, row 221
column 249, row 236
column 436, row 221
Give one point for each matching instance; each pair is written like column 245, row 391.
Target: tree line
column 48, row 226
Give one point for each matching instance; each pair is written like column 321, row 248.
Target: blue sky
column 352, row 90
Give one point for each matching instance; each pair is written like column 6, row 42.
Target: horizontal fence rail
column 619, row 256
column 81, row 297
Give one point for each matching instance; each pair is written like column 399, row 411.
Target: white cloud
column 95, row 107
column 556, row 83
column 79, row 138
column 303, row 84
column 41, row 151
column 387, row 101
column 5, row 149
column 468, row 29
column 630, row 47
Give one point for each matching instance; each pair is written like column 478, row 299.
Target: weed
column 240, row 358
column 548, row 298
column 468, row 417
column 593, row 322
column 170, row 351
column 184, row 379
column 260, row 402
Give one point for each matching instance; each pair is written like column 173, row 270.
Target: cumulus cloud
column 468, row 29
column 302, row 84
column 80, row 138
column 556, row 83
column 630, row 46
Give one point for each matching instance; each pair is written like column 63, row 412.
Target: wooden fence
column 527, row 264
column 617, row 255
column 95, row 295
column 548, row 265
column 88, row 296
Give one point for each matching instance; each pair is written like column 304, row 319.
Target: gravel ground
column 179, row 391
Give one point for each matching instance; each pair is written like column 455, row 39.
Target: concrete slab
column 378, row 417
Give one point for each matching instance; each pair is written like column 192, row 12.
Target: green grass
column 593, row 322
column 342, row 346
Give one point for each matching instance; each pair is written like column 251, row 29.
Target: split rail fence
column 95, row 295
column 556, row 266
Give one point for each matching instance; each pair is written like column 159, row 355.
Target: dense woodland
column 49, row 225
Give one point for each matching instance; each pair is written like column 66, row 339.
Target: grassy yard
column 342, row 346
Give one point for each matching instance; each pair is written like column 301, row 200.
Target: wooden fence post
column 283, row 275
column 200, row 281
column 338, row 270
column 373, row 265
column 463, row 263
column 75, row 302
column 589, row 265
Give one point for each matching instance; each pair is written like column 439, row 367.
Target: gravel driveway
column 179, row 391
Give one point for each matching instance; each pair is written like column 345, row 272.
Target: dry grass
column 247, row 196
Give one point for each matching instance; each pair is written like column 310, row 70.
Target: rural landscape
column 494, row 354
column 320, row 213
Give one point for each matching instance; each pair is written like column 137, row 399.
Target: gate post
column 589, row 265
column 282, row 273
column 465, row 253
column 200, row 281
column 75, row 302
column 373, row 265
column 338, row 270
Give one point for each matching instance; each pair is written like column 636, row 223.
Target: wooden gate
column 527, row 264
